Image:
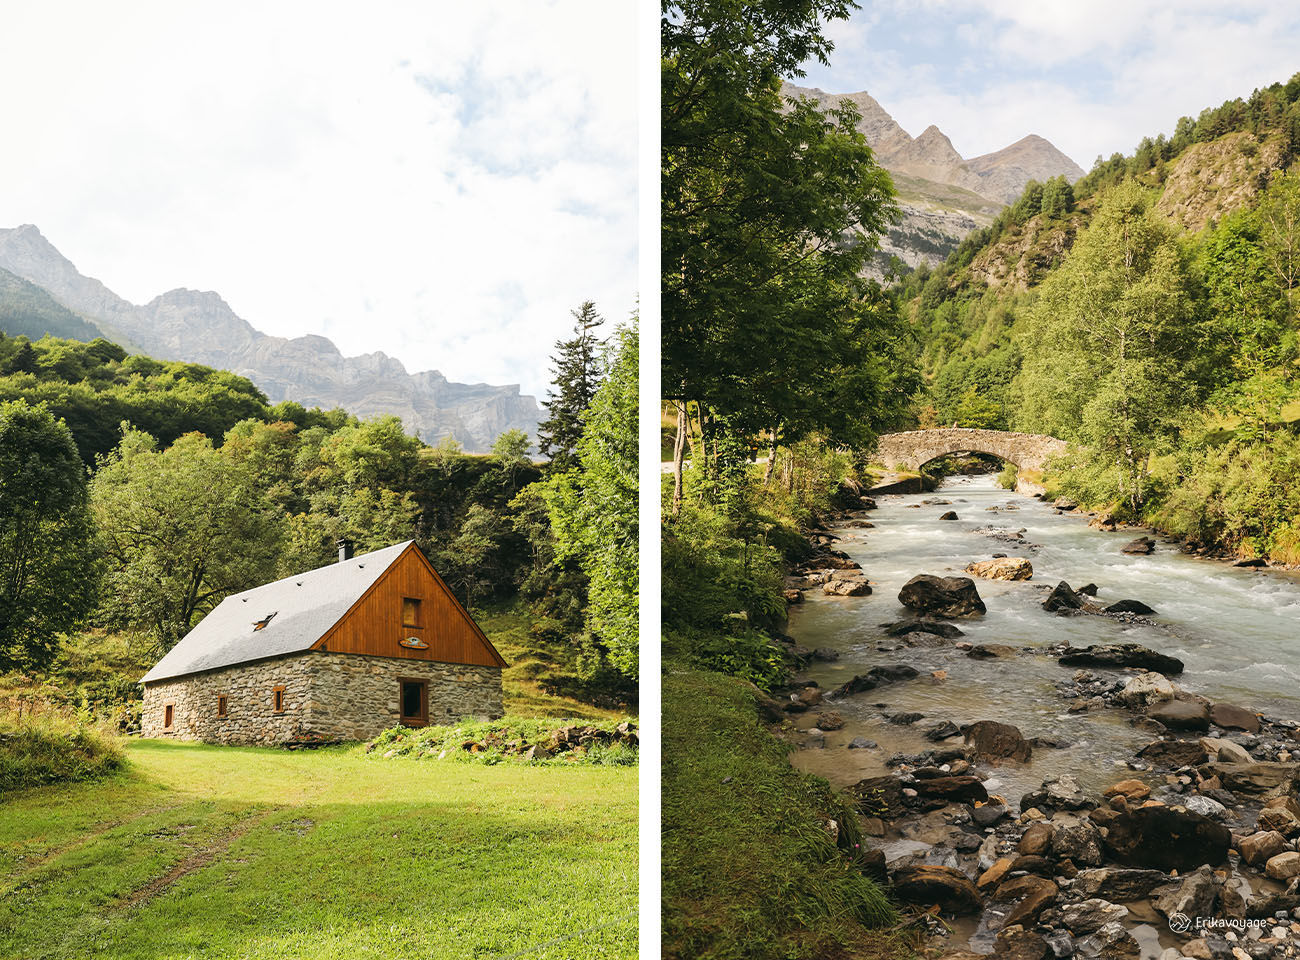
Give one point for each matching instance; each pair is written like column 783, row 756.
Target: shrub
column 546, row 741
column 40, row 745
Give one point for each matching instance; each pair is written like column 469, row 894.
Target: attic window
column 261, row 624
column 277, row 698
column 411, row 612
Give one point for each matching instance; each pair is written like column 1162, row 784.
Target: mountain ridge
column 201, row 327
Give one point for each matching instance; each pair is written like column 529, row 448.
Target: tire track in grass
column 197, row 859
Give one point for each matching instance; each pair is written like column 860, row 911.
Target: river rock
column 1078, row 842
column 862, row 743
column 942, row 732
column 1146, row 689
column 1164, row 838
column 1117, row 884
column 987, row 814
column 1258, row 848
column 1031, row 896
column 830, row 720
column 927, row 884
column 1002, row 568
column 1173, row 753
column 997, row 741
column 876, row 677
column 1142, row 545
column 942, row 596
column 1064, row 503
column 948, row 631
column 1129, row 606
column 1281, row 814
column 1111, row 942
column 952, row 788
column 1284, row 866
column 950, row 515
column 879, row 797
column 1225, row 750
column 856, row 587
column 1206, row 806
column 1181, row 715
column 991, row 651
column 1017, row 943
column 792, row 596
column 1121, row 655
column 1129, row 789
column 1267, row 779
column 991, row 877
column 1057, row 793
column 1192, row 895
column 1088, row 916
column 1035, row 841
column 1228, row 717
column 1062, row 598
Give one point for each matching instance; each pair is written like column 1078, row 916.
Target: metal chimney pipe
column 345, row 548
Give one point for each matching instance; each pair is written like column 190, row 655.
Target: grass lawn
column 226, row 852
column 749, row 869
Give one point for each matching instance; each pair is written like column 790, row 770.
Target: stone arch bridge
column 913, row 449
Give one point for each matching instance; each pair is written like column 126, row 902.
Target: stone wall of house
column 249, row 691
column 354, row 697
column 328, row 696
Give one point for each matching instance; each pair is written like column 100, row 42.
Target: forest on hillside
column 137, row 494
column 1149, row 315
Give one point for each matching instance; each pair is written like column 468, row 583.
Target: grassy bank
column 201, row 851
column 749, row 867
column 51, row 746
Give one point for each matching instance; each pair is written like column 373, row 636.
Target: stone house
column 338, row 653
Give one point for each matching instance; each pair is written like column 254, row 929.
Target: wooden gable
column 380, row 623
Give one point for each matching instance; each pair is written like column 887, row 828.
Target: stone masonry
column 913, row 449
column 327, row 696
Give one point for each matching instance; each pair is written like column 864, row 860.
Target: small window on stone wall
column 168, row 715
column 277, row 697
column 221, row 705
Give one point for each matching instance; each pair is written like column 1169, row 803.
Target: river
column 1237, row 630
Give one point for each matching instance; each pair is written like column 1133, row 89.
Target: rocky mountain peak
column 199, row 326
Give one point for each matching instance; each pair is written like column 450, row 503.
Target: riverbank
column 901, row 744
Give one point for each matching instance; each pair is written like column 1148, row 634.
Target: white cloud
column 1093, row 78
column 443, row 182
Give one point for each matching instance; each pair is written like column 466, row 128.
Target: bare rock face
column 1002, row 568
column 200, row 327
column 941, row 596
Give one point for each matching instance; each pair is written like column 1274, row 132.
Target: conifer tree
column 577, row 377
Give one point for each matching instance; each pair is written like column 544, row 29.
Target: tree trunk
column 679, row 452
column 771, row 460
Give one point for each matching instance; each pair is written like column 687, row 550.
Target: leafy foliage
column 48, row 571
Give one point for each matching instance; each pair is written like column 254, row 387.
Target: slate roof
column 306, row 606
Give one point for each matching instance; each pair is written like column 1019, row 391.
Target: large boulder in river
column 1129, row 606
column 997, row 741
column 958, row 789
column 1181, row 715
column 876, row 677
column 1228, row 717
column 1140, row 546
column 854, row 587
column 1001, row 568
column 1174, row 753
column 1163, row 838
column 926, row 884
column 941, row 596
column 1146, row 689
column 1062, row 599
column 916, row 625
column 1121, row 655
column 1258, row 779
column 879, row 797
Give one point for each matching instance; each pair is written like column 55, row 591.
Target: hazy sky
column 440, row 181
column 1094, row 78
